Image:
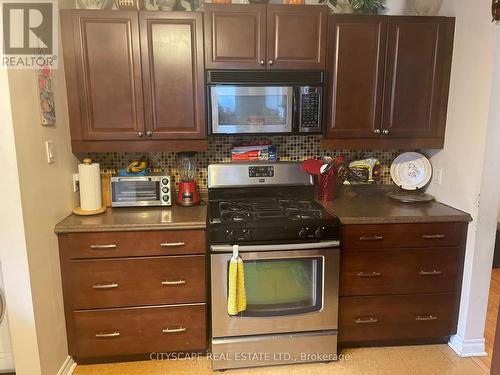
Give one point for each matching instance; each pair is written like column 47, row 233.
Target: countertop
column 136, row 219
column 369, row 205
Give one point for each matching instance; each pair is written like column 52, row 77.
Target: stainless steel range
column 290, row 248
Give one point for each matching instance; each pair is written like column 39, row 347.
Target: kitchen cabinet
column 257, row 36
column 400, row 283
column 388, row 81
column 134, row 80
column 133, row 293
column 108, row 85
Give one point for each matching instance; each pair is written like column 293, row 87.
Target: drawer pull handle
column 433, row 236
column 105, row 286
column 102, row 335
column 366, row 321
column 371, row 238
column 173, row 282
column 425, row 318
column 172, row 244
column 369, row 274
column 430, row 273
column 174, row 330
column 100, row 247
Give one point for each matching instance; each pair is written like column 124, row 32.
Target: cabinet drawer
column 378, row 318
column 130, row 244
column 400, row 271
column 138, row 281
column 402, row 235
column 118, row 332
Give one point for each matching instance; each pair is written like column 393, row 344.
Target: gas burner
column 295, row 214
column 233, row 206
column 271, row 214
column 299, row 205
column 235, row 217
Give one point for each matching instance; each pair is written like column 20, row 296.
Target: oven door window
column 237, row 109
column 277, row 287
column 132, row 191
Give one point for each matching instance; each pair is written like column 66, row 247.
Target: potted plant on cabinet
column 359, row 6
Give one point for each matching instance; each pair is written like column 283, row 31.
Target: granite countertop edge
column 64, row 229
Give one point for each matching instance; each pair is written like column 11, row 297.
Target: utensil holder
column 327, row 186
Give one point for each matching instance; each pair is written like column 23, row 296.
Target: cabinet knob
column 149, row 133
column 376, row 131
column 270, row 62
column 262, row 62
column 385, row 131
column 140, row 134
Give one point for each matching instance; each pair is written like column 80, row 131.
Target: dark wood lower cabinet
column 400, row 283
column 128, row 294
column 119, row 332
column 398, row 317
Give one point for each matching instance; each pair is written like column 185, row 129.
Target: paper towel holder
column 78, row 210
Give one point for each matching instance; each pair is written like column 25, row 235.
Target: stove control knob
column 319, row 233
column 303, row 233
column 230, row 234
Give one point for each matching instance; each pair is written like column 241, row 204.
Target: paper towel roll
column 90, row 185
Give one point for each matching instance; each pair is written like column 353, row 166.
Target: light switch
column 49, row 148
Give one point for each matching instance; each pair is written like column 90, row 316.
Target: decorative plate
column 411, row 171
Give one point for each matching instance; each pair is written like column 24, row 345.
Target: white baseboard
column 67, row 367
column 6, row 362
column 467, row 348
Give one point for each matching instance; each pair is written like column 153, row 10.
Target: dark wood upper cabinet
column 388, row 81
column 235, row 36
column 356, row 75
column 417, row 78
column 256, row 36
column 296, row 36
column 172, row 70
column 108, row 75
column 134, row 80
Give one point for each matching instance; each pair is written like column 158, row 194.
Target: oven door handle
column 276, row 247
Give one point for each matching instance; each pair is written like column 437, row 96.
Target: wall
column 289, row 148
column 468, row 160
column 47, row 197
column 13, row 252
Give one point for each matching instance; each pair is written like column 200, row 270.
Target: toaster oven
column 136, row 191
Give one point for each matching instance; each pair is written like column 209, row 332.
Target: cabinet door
column 419, row 52
column 172, row 70
column 235, row 36
column 296, row 36
column 107, row 57
column 356, row 61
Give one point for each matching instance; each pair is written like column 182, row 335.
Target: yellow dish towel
column 237, row 296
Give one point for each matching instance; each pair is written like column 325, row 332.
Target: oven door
column 287, row 291
column 135, row 191
column 243, row 109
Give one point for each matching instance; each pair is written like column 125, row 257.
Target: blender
column 188, row 192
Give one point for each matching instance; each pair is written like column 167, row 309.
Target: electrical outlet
column 438, row 176
column 76, row 182
column 49, row 149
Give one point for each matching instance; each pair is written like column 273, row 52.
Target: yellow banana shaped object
column 137, row 166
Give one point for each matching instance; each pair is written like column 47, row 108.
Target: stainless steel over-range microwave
column 256, row 102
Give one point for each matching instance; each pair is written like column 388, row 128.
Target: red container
column 327, row 186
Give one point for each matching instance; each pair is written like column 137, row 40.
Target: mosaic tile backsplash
column 290, row 148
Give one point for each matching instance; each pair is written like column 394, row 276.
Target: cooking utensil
column 411, row 171
column 312, row 166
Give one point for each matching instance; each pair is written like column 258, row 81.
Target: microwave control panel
column 310, row 109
